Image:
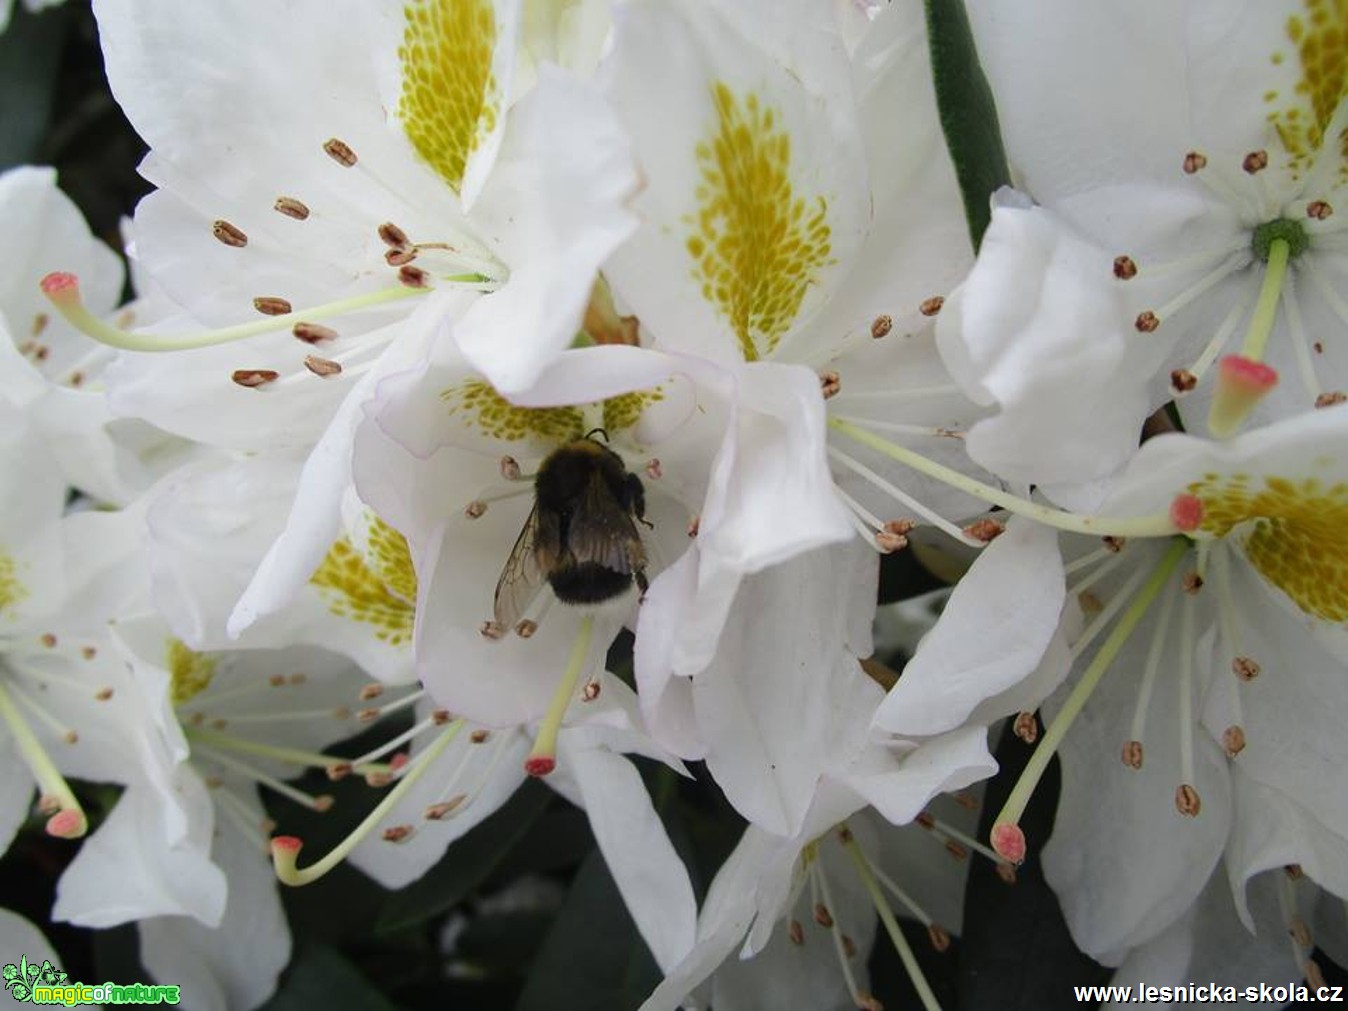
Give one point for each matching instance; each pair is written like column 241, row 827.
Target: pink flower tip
column 286, row 844
column 68, row 823
column 1251, row 376
column 1186, row 512
column 539, row 765
column 60, row 284
column 1009, row 842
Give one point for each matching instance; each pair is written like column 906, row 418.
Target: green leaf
column 467, row 862
column 594, row 958
column 321, row 978
column 968, row 112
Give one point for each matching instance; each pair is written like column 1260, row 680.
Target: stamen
column 244, row 820
column 340, row 152
column 1187, row 801
column 270, row 305
column 902, row 429
column 825, row 919
column 1132, row 750
column 1007, row 838
column 1296, row 329
column 285, row 849
column 230, row 235
column 313, row 803
column 322, row 366
column 1149, row 321
column 857, row 467
column 68, row 820
column 1190, row 377
column 313, row 333
column 881, row 325
column 291, row 756
column 58, row 729
column 291, row 208
column 397, row 742
column 1106, row 614
column 63, row 291
column 542, row 758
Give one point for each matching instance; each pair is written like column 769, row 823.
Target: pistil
column 67, row 821
column 543, row 757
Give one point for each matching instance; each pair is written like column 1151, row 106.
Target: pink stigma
column 1186, row 512
column 58, row 283
column 1009, row 842
column 539, row 765
column 286, row 843
column 1247, row 374
column 67, row 824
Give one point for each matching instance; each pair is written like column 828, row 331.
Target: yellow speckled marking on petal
column 450, row 98
column 190, row 672
column 624, row 411
column 481, row 407
column 11, row 590
column 1296, row 537
column 756, row 245
column 380, row 591
column 1320, row 38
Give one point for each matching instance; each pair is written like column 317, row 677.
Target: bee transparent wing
column 521, row 577
column 607, row 535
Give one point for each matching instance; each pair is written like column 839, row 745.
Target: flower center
column 374, row 583
column 189, row 673
column 1288, row 230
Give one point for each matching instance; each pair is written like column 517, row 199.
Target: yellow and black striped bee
column 581, row 536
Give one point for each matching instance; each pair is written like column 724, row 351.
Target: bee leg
column 643, row 584
column 636, row 500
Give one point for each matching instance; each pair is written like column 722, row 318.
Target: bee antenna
column 590, row 433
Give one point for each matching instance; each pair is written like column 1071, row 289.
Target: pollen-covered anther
column 894, row 535
column 1186, row 512
column 693, row 525
column 1330, row 399
column 254, row 378
column 229, row 234
column 378, row 780
column 401, row 257
column 985, row 530
column 1132, row 754
column 1319, row 210
column 1113, row 544
column 1182, row 380
column 492, row 630
column 590, row 692
column 1146, row 322
column 480, row 736
column 367, row 715
column 393, row 236
column 822, row 916
column 1194, row 161
column 931, row 306
column 1187, row 801
column 437, row 812
column 338, row 770
column 849, row 946
column 939, row 937
column 1233, row 741
column 1125, row 268
column 323, row 803
column 925, row 820
column 47, row 639
column 322, row 366
column 654, row 469
column 291, row 208
column 1089, row 602
column 70, row 737
column 439, row 717
column 370, row 692
column 1191, row 583
column 413, row 277
column 830, row 384
column 526, row 628
column 1299, row 932
column 312, row 333
column 881, row 325
column 102, row 695
column 510, row 468
column 957, row 850
column 1255, row 161
column 1026, row 727
column 272, row 305
column 340, row 152
column 1293, row 872
column 396, row 833
column 1245, row 668
column 1007, row 872
column 796, row 933
column 475, row 509
column 868, row 1002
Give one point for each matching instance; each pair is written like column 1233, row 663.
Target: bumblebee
column 581, row 536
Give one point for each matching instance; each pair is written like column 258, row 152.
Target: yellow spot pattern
column 449, row 100
column 624, row 411
column 482, row 408
column 1320, row 37
column 756, row 246
column 380, row 590
column 11, row 590
column 190, row 673
column 1296, row 538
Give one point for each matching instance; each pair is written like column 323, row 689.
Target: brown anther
column 479, row 736
column 1125, row 268
column 1182, row 380
column 844, row 835
column 197, row 719
column 894, row 536
column 1186, row 800
column 322, row 366
column 253, row 378
column 70, row 737
column 1319, row 210
column 654, row 470
column 341, row 713
column 1026, row 727
column 371, row 691
column 1255, row 161
column 276, row 680
column 391, row 235
column 41, row 351
column 1113, row 544
column 378, row 780
column 76, row 378
column 849, row 947
column 48, row 640
column 297, row 679
column 475, row 509
column 881, row 325
column 213, row 782
column 219, row 723
column 1233, row 741
column 867, row 1002
column 103, row 694
column 413, row 277
column 510, row 468
column 931, row 306
column 1293, row 872
column 940, row 939
column 340, row 152
column 1192, row 583
column 367, row 715
column 267, row 825
column 230, row 235
column 323, row 803
column 1245, row 668
column 965, row 799
column 1330, row 399
column 88, row 652
column 1007, row 872
column 492, row 630
column 796, row 932
column 48, row 804
column 590, row 692
column 1089, row 602
column 40, row 322
column 396, row 833
column 1315, row 978
column 985, row 530
column 1132, row 754
column 312, row 333
column 956, row 849
column 1318, row 348
column 830, row 383
column 435, row 812
column 291, row 208
column 1299, row 932
column 401, row 257
column 1193, row 162
column 693, row 525
column 822, row 916
column 439, row 717
column 271, row 305
column 924, row 819
column 337, row 770
column 1146, row 322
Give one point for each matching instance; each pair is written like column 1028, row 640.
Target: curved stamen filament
column 63, row 292
column 1106, row 615
column 69, row 821
column 1143, row 704
column 1186, row 698
column 265, row 779
column 285, row 849
column 543, row 758
column 1160, row 525
column 1007, row 838
column 931, row 516
column 820, row 879
column 292, row 756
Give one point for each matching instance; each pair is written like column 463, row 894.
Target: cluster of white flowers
column 470, row 332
